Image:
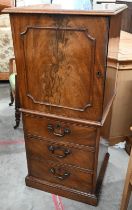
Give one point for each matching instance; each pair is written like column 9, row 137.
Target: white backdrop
column 31, row 2
column 69, row 4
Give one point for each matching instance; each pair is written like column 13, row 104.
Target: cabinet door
column 64, row 60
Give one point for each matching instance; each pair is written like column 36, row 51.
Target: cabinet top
column 71, row 8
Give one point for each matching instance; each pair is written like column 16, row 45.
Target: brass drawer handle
column 57, row 130
column 59, row 176
column 66, row 151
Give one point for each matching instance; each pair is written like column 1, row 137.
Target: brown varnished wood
column 78, row 179
column 83, row 122
column 127, row 186
column 91, row 199
column 111, row 74
column 95, row 175
column 127, row 16
column 17, row 105
column 61, row 190
column 128, row 144
column 105, row 131
column 68, row 92
column 58, row 64
column 61, row 59
column 38, row 126
column 102, row 151
column 59, row 9
column 101, row 174
column 61, row 152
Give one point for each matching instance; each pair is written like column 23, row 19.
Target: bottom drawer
column 61, row 174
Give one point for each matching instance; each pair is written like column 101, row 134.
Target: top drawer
column 59, row 130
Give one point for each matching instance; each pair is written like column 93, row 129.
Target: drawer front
column 59, row 130
column 79, row 156
column 61, row 174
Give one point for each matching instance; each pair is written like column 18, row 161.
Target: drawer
column 60, row 174
column 79, row 155
column 59, row 130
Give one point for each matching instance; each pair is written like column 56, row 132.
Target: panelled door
column 64, row 60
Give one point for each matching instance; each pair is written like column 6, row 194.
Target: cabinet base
column 61, row 190
column 88, row 198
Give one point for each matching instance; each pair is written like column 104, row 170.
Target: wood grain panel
column 68, row 89
column 73, row 178
column 78, row 134
column 61, row 152
column 61, row 74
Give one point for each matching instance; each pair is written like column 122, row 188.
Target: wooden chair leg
column 12, row 98
column 17, row 117
column 127, row 186
column 126, row 197
column 17, row 105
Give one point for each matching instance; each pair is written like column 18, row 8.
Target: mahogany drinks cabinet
column 66, row 91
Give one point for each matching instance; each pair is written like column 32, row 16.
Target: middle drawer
column 81, row 156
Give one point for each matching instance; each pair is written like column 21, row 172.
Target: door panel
column 64, row 61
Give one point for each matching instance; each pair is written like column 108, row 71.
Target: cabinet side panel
column 113, row 47
column 122, row 111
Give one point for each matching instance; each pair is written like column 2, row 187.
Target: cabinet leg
column 17, row 117
column 17, row 105
column 12, row 98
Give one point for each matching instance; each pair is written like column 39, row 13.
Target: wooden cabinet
column 66, row 93
column 127, row 16
column 121, row 110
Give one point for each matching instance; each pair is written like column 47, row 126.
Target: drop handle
column 59, row 175
column 53, row 150
column 58, row 130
